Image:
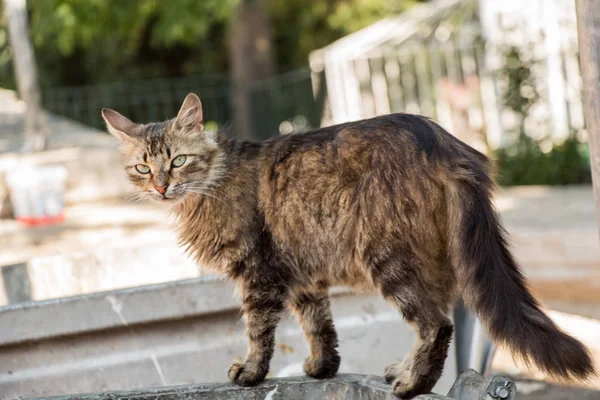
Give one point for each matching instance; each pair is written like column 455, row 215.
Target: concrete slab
column 192, row 337
column 194, row 343
column 344, row 387
column 469, row 386
column 33, row 321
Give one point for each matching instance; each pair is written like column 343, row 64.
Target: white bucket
column 37, row 194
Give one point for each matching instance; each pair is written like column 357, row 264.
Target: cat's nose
column 161, row 189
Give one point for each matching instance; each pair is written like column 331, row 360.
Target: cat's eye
column 178, row 161
column 142, row 169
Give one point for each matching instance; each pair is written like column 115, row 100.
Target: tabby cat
column 393, row 204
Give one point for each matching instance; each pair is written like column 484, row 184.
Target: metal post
column 474, row 349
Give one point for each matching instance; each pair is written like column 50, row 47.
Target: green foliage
column 123, row 40
column 94, row 41
column 520, row 93
column 84, row 23
column 526, row 164
column 7, row 78
column 97, row 41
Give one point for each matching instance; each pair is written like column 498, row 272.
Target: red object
column 41, row 221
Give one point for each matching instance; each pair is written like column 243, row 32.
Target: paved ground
column 536, row 390
column 554, row 234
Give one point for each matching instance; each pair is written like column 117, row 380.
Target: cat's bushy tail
column 492, row 284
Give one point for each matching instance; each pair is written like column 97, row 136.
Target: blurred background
column 95, row 293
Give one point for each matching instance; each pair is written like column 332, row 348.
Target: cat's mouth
column 170, row 199
column 164, row 198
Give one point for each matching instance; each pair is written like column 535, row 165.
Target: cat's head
column 166, row 161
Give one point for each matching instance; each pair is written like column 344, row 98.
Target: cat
column 394, row 204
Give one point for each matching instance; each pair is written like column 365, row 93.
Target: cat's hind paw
column 242, row 375
column 322, row 368
column 406, row 386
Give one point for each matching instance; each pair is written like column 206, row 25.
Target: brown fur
column 394, row 204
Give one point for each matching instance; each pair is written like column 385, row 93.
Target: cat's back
column 414, row 131
column 350, row 149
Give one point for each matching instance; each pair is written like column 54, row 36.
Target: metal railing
column 141, row 101
column 285, row 98
column 282, row 98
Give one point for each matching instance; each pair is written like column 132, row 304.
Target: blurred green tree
column 104, row 40
column 95, row 41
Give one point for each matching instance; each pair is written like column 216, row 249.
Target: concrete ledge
column 468, row 386
column 45, row 319
column 30, row 321
column 192, row 344
column 345, row 386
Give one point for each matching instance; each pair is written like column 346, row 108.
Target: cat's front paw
column 322, row 368
column 243, row 375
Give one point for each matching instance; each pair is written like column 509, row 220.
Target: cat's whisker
column 201, row 188
column 135, row 197
column 202, row 184
column 203, row 191
column 206, row 194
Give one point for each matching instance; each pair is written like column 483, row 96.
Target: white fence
column 434, row 61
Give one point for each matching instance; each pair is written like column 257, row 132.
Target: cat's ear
column 190, row 115
column 118, row 125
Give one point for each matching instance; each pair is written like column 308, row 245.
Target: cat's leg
column 401, row 284
column 313, row 310
column 263, row 300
